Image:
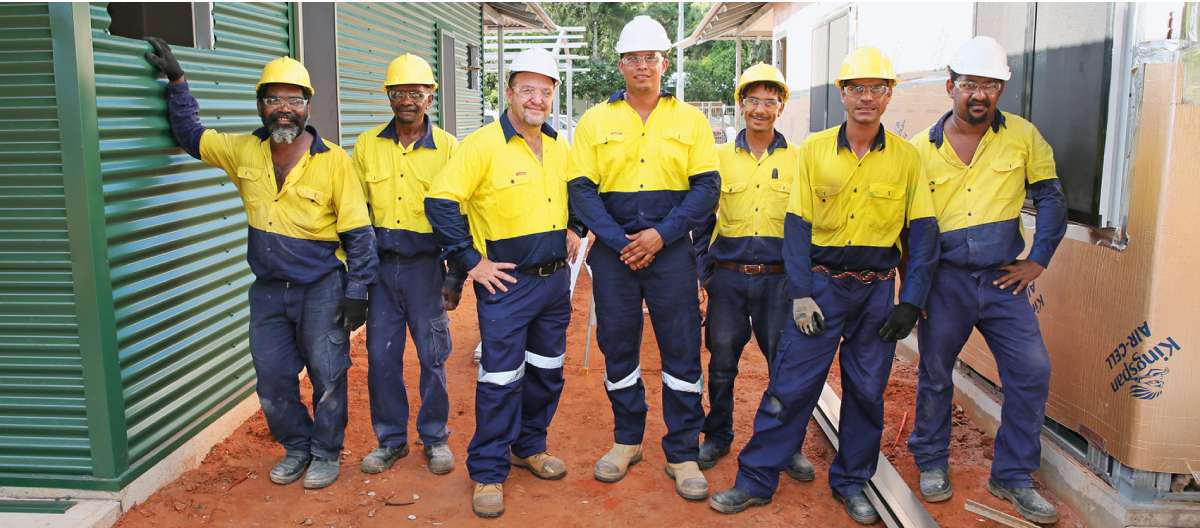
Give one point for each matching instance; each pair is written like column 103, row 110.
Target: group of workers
column 797, row 243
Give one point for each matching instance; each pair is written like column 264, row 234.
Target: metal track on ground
column 897, row 505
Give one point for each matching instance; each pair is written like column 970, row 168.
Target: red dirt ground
column 230, row 487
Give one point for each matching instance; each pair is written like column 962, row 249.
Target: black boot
column 734, row 500
column 1028, row 502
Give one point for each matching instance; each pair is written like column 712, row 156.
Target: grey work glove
column 162, row 58
column 809, row 319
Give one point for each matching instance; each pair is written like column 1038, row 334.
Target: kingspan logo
column 1150, row 385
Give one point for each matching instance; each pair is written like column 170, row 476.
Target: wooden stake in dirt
column 993, row 514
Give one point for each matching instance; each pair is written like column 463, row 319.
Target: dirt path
column 230, row 488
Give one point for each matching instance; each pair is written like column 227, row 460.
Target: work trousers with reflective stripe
column 959, row 301
column 407, row 295
column 292, row 327
column 854, row 313
column 668, row 288
column 737, row 304
column 524, row 334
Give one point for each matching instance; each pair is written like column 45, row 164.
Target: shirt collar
column 779, row 141
column 426, row 141
column 879, row 144
column 619, row 95
column 938, row 133
column 318, row 146
column 510, row 130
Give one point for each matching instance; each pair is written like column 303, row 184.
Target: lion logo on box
column 1149, row 386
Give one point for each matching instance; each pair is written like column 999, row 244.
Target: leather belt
column 750, row 269
column 865, row 277
column 544, row 270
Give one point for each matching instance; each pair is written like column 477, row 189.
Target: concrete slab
column 1087, row 492
column 84, row 514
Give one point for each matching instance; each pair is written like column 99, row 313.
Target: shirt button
column 641, row 186
column 852, row 216
column 512, row 181
column 968, row 214
column 643, row 160
column 822, row 200
column 399, row 197
column 553, row 226
column 548, row 200
column 968, row 189
column 270, row 223
column 856, row 189
column 848, row 242
column 397, row 221
column 401, row 175
column 756, row 209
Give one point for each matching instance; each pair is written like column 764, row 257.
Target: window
column 830, row 44
column 1061, row 58
column 473, row 70
column 179, row 23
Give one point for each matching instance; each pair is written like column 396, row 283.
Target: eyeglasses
column 987, row 87
column 858, row 90
column 415, row 95
column 769, row 104
column 528, row 91
column 634, row 60
column 295, row 102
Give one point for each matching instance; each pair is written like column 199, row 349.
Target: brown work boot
column 613, row 465
column 689, row 481
column 488, row 500
column 543, row 465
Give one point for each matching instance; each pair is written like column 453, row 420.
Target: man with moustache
column 397, row 162
column 643, row 176
column 858, row 186
column 509, row 178
column 310, row 246
column 981, row 164
column 742, row 253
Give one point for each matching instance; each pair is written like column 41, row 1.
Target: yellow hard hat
column 409, row 69
column 286, row 70
column 761, row 72
column 866, row 63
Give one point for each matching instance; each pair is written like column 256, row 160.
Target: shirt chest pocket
column 381, row 193
column 675, row 148
column 312, row 212
column 828, row 212
column 735, row 204
column 779, row 191
column 614, row 154
column 256, row 191
column 1010, row 176
column 511, row 191
column 886, row 205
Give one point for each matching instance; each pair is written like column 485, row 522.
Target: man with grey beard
column 310, row 246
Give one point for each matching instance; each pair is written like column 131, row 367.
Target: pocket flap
column 615, row 136
column 377, row 176
column 249, row 173
column 734, row 187
column 1007, row 164
column 886, row 190
column 682, row 136
column 504, row 181
column 311, row 194
column 826, row 191
column 781, row 185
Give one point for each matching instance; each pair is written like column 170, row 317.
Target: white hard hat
column 981, row 56
column 535, row 60
column 643, row 34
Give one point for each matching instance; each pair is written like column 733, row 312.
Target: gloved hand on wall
column 162, row 58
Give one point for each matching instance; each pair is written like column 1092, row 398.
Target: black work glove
column 351, row 314
column 900, row 322
column 162, row 58
column 452, row 286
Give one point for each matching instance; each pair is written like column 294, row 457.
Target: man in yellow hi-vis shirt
column 310, row 246
column 978, row 162
column 858, row 187
column 742, row 253
column 509, row 178
column 643, row 176
column 397, row 162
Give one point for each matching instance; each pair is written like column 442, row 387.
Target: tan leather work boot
column 543, row 465
column 613, row 465
column 689, row 481
column 488, row 500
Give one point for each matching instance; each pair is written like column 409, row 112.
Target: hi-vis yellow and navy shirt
column 626, row 176
column 306, row 229
column 846, row 212
column 516, row 205
column 747, row 227
column 978, row 204
column 396, row 179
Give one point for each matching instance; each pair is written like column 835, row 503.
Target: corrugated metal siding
column 176, row 228
column 371, row 35
column 43, row 421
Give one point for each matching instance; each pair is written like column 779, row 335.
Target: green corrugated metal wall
column 175, row 227
column 371, row 35
column 43, row 420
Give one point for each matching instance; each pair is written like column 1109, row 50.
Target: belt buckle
column 753, row 269
column 869, row 276
column 545, row 270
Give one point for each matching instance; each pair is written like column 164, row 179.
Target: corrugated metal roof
column 43, row 420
